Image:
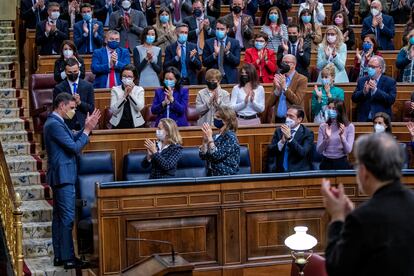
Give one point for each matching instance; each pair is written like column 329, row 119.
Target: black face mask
column 293, row 38
column 244, row 79
column 236, row 9
column 211, row 85
column 197, row 12
column 284, row 68
column 72, row 77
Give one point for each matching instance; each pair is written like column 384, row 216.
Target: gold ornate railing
column 11, row 216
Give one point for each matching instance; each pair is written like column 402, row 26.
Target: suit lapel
column 62, row 123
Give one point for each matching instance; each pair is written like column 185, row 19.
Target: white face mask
column 375, row 12
column 54, row 15
column 128, row 81
column 126, row 5
column 331, row 38
column 160, row 134
column 379, row 128
column 290, row 123
column 67, row 53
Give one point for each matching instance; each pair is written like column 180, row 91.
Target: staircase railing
column 11, row 216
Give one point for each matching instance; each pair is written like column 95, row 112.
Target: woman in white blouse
column 248, row 97
column 127, row 101
column 333, row 50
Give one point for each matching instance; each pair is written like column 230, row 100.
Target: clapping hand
column 318, row 92
column 92, row 120
column 95, row 27
column 286, row 133
column 178, row 51
column 207, row 133
column 410, row 127
column 342, row 131
column 358, row 55
column 169, row 94
column 77, row 99
column 85, row 28
column 366, row 87
column 114, row 58
column 216, row 48
column 227, row 49
column 193, row 53
column 148, row 57
column 379, row 20
column 150, row 146
column 337, row 204
column 285, row 46
column 374, row 21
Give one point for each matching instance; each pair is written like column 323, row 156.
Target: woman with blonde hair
column 211, row 98
column 333, row 50
column 322, row 94
column 165, row 29
column 163, row 154
column 221, row 151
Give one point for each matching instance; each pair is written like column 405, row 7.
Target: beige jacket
column 136, row 101
column 205, row 109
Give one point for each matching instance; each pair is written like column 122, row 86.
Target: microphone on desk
column 156, row 241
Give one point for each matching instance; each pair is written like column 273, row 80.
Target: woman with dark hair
column 164, row 154
column 248, row 97
column 405, row 60
column 127, row 101
column 335, row 137
column 308, row 30
column 382, row 123
column 341, row 21
column 147, row 58
column 262, row 58
column 171, row 100
column 221, row 151
column 275, row 29
column 369, row 49
column 67, row 50
column 347, row 6
column 165, row 29
column 408, row 27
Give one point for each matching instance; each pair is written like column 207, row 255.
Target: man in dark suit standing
column 201, row 26
column 222, row 53
column 62, row 147
column 291, row 146
column 375, row 92
column 50, row 33
column 81, row 90
column 103, row 10
column 147, row 7
column 380, row 25
column 32, row 12
column 295, row 46
column 377, row 237
column 88, row 34
column 183, row 55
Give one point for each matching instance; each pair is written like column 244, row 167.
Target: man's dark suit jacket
column 377, row 238
column 100, row 11
column 29, row 16
column 302, row 61
column 230, row 62
column 381, row 101
column 192, row 65
column 385, row 35
column 85, row 91
column 150, row 13
column 51, row 43
column 192, row 26
column 300, row 150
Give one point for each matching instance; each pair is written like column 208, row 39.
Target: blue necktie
column 294, row 49
column 183, row 64
column 286, row 155
column 168, row 111
column 108, row 14
column 90, row 36
column 282, row 106
column 75, row 88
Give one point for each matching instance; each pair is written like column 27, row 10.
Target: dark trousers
column 62, row 222
column 335, row 164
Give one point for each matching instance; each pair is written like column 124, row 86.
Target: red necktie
column 112, row 77
column 127, row 20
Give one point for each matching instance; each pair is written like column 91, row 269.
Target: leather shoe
column 57, row 262
column 75, row 263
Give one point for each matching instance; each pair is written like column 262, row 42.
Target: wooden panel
column 110, row 240
column 232, row 238
column 195, row 238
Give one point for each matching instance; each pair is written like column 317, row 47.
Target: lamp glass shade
column 300, row 241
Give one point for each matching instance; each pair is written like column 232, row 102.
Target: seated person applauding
column 262, row 58
column 171, row 100
column 248, row 97
column 81, row 90
column 163, row 155
column 289, row 89
column 369, row 49
column 321, row 95
column 127, row 101
column 382, row 123
column 335, row 138
column 67, row 51
column 374, row 93
column 211, row 98
column 147, row 58
column 222, row 152
column 291, row 145
column 107, row 62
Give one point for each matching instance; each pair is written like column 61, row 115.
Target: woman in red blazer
column 263, row 59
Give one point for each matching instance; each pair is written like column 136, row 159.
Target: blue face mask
column 371, row 72
column 182, row 38
column 306, row 18
column 218, row 123
column 259, row 45
column 169, row 83
column 273, row 17
column 150, row 39
column 332, row 114
column 220, row 34
column 326, row 81
column 412, row 40
column 87, row 16
column 113, row 44
column 164, row 18
column 366, row 46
